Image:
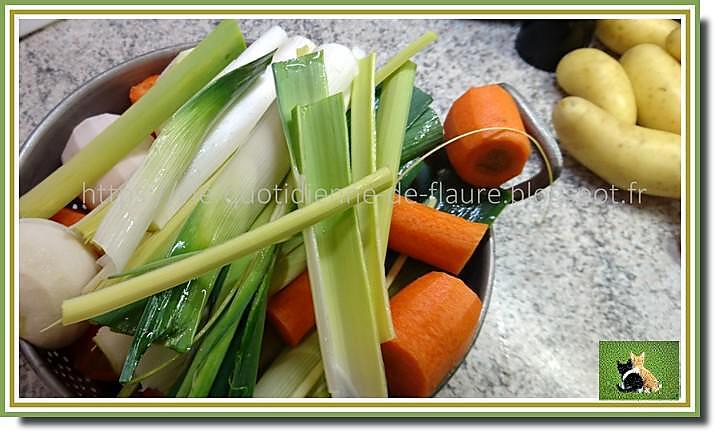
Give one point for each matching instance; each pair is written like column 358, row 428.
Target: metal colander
column 40, row 156
column 56, row 371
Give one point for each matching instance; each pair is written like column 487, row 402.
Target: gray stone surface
column 568, row 274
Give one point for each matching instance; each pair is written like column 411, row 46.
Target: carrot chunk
column 67, row 216
column 141, row 88
column 290, row 311
column 434, row 318
column 435, row 237
column 486, row 159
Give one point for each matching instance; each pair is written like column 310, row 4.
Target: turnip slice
column 54, row 266
column 83, row 134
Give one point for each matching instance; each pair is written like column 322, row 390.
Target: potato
column 622, row 34
column 656, row 81
column 629, row 157
column 594, row 75
column 673, row 43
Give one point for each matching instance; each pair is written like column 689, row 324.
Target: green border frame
column 693, row 20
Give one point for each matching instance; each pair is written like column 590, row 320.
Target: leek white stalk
column 233, row 129
column 269, row 41
column 131, row 212
column 236, row 198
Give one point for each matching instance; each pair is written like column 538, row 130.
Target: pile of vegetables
column 622, row 118
column 202, row 274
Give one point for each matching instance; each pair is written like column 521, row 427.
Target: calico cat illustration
column 650, row 381
column 630, row 378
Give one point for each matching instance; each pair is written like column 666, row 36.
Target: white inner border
column 426, row 408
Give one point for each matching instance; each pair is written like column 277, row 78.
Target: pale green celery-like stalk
column 131, row 212
column 404, row 55
column 391, row 124
column 179, row 84
column 87, row 306
column 293, row 373
column 335, row 258
column 364, row 162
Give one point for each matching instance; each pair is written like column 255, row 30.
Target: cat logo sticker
column 639, row 370
column 635, row 377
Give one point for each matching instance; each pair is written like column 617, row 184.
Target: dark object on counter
column 543, row 42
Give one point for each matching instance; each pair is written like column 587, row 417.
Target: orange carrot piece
column 141, row 88
column 486, row 159
column 89, row 360
column 290, row 311
column 435, row 237
column 434, row 318
column 67, row 216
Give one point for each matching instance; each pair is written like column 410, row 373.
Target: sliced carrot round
column 491, row 158
column 434, row 318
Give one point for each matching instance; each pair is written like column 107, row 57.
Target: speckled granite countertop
column 591, row 271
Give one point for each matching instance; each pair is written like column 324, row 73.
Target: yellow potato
column 656, row 80
column 629, row 157
column 673, row 43
column 622, row 34
column 594, row 75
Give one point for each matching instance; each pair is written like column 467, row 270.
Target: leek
column 339, row 282
column 234, row 127
column 212, row 349
column 131, row 212
column 269, row 41
column 221, row 46
column 425, row 133
column 245, row 363
column 318, row 143
column 418, row 106
column 290, row 262
column 229, row 208
column 87, row 226
column 293, row 373
column 392, row 118
column 422, row 134
column 364, row 162
column 91, row 305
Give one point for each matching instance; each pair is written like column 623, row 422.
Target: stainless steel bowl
column 107, row 92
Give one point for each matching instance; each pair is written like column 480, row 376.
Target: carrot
column 67, row 216
column 141, row 88
column 434, row 318
column 486, row 159
column 89, row 360
column 290, row 311
column 437, row 238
